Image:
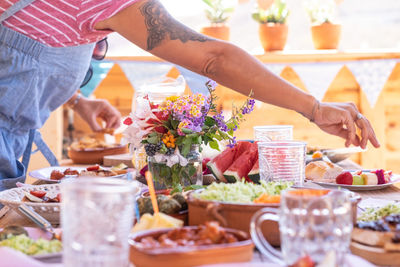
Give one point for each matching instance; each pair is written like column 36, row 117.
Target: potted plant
column 172, row 133
column 218, row 12
column 272, row 29
column 325, row 33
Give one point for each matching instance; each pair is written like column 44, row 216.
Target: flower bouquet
column 174, row 131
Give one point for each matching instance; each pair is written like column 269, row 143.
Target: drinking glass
column 273, row 132
column 311, row 226
column 96, row 216
column 282, row 161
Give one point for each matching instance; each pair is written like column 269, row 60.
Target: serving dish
column 238, row 216
column 36, row 233
column 44, row 173
column 50, row 211
column 241, row 251
column 95, row 155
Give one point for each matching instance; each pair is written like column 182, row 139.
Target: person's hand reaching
column 343, row 119
column 90, row 110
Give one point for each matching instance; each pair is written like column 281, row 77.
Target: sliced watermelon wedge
column 241, row 166
column 221, row 163
column 241, row 147
column 254, row 174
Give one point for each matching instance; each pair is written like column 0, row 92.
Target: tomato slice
column 38, row 193
column 93, row 168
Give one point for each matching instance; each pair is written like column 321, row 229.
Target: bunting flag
column 100, row 71
column 140, row 72
column 196, row 82
column 317, row 77
column 372, row 75
column 275, row 68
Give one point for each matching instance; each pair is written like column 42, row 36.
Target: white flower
column 172, row 159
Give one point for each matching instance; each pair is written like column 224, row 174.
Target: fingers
column 351, row 129
column 93, row 123
column 110, row 115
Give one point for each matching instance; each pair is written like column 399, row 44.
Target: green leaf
column 186, row 131
column 186, row 149
column 193, row 187
column 174, row 124
column 177, row 188
column 153, row 140
column 192, row 170
column 165, row 171
column 214, row 145
column 209, row 121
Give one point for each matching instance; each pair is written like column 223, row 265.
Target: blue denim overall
column 34, row 80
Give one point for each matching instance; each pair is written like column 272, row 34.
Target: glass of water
column 309, row 225
column 96, row 217
column 282, row 161
column 273, row 132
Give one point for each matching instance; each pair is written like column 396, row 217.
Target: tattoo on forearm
column 160, row 25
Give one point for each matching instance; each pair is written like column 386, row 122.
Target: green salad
column 241, row 192
column 31, row 247
column 374, row 214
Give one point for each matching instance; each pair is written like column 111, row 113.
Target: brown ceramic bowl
column 96, row 155
column 238, row 216
column 241, row 251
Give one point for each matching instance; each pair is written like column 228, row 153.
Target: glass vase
column 177, row 176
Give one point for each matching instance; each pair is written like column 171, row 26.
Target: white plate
column 44, row 174
column 395, row 179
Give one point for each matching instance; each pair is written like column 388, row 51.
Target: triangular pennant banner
column 196, row 82
column 139, row 72
column 275, row 68
column 100, row 71
column 317, row 76
column 372, row 75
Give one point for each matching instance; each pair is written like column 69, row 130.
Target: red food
column 71, row 172
column 38, row 193
column 58, row 197
column 345, row 178
column 241, row 167
column 381, row 176
column 56, row 175
column 93, row 168
column 305, row 261
column 221, row 163
column 254, row 174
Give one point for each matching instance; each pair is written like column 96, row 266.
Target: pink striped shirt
column 59, row 23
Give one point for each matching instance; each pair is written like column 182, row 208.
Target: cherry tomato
column 93, row 168
column 58, row 197
column 38, row 194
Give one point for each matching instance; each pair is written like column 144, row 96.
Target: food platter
column 44, row 173
column 395, row 179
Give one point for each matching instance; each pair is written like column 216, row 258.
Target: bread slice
column 322, row 171
column 371, row 237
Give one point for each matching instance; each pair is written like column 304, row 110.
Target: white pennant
column 196, row 82
column 317, row 77
column 372, row 75
column 139, row 72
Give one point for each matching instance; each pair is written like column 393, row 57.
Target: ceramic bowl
column 95, row 156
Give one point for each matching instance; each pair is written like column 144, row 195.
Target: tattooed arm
column 147, row 24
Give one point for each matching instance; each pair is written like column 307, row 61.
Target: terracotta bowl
column 238, row 216
column 241, row 251
column 95, row 156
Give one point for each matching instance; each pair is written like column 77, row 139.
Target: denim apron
column 35, row 79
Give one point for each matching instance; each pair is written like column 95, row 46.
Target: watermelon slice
column 241, row 166
column 221, row 163
column 254, row 174
column 243, row 146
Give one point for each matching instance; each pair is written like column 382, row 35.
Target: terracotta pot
column 218, row 31
column 241, row 251
column 326, row 35
column 273, row 36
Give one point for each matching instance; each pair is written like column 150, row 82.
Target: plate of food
column 57, row 173
column 328, row 174
column 44, row 199
column 34, row 242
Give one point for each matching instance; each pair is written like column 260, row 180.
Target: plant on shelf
column 173, row 132
column 218, row 12
column 325, row 33
column 272, row 29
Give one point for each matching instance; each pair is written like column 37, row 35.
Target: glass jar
column 177, row 175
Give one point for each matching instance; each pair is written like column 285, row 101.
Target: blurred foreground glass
column 313, row 226
column 282, row 161
column 96, row 217
column 273, row 132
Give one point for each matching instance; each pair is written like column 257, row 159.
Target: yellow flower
column 172, row 98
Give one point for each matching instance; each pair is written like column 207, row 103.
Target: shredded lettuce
column 241, row 192
column 31, row 247
column 374, row 214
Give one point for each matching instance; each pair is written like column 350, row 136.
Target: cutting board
column 113, row 160
column 375, row 255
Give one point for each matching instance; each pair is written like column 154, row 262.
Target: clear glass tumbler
column 313, row 226
column 273, row 132
column 282, row 161
column 96, row 217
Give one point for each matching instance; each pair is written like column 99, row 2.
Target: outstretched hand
column 90, row 110
column 343, row 119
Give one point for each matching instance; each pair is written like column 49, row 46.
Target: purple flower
column 232, row 142
column 249, row 107
column 219, row 119
column 211, row 85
